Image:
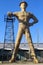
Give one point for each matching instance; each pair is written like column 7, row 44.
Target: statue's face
column 23, row 6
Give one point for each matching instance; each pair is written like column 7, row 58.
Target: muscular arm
column 10, row 14
column 35, row 20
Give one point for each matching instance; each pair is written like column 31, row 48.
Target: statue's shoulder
column 31, row 13
column 16, row 13
column 28, row 13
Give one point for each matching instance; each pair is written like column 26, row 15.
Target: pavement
column 20, row 63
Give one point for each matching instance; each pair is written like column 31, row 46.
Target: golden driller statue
column 23, row 18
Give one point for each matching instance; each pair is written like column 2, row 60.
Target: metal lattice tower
column 9, row 32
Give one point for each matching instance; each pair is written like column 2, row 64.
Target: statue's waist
column 23, row 26
column 24, row 23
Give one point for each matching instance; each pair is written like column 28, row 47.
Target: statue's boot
column 12, row 59
column 35, row 60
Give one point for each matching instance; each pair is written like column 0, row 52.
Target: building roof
column 23, row 46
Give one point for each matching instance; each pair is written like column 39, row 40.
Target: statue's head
column 23, row 4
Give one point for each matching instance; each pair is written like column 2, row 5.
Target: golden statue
column 24, row 24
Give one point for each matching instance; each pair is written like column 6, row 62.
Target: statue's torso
column 23, row 16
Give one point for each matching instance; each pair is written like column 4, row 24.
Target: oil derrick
column 9, row 32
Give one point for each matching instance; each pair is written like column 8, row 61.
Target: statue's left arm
column 10, row 14
column 35, row 20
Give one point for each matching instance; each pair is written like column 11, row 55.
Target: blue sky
column 34, row 6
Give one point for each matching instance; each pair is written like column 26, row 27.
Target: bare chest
column 23, row 16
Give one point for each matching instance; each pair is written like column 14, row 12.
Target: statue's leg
column 28, row 37
column 17, row 42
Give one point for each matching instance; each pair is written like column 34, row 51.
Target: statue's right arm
column 15, row 14
column 10, row 14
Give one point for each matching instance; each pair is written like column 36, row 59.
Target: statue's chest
column 23, row 16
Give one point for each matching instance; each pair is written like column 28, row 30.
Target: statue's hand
column 9, row 14
column 30, row 24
